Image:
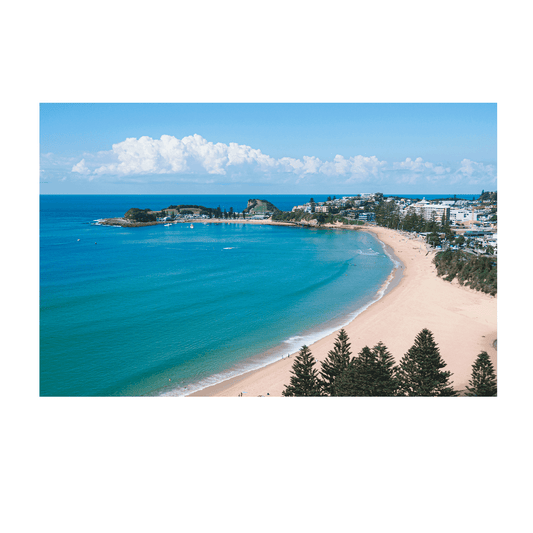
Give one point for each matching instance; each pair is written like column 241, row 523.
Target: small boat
column 167, row 225
column 192, row 226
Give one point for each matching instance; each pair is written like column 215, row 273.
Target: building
column 322, row 209
column 430, row 211
column 461, row 215
column 367, row 217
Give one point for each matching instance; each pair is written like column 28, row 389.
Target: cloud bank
column 195, row 156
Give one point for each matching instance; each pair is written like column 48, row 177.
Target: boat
column 192, row 226
column 167, row 224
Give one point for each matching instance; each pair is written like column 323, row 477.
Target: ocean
column 157, row 310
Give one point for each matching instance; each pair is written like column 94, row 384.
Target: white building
column 462, row 215
column 430, row 211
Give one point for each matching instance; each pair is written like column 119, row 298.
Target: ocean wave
column 396, row 263
column 292, row 339
column 369, row 251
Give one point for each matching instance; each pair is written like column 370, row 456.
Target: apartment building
column 429, row 211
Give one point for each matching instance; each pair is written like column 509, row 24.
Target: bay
column 166, row 310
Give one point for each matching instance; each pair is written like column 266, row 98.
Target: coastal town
column 471, row 224
column 450, row 223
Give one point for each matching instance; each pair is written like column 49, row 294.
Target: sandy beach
column 463, row 322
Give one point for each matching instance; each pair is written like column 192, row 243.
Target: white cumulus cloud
column 475, row 172
column 81, row 168
column 192, row 157
column 194, row 154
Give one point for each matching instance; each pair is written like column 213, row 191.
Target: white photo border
column 30, row 96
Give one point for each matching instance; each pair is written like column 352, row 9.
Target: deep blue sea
column 123, row 311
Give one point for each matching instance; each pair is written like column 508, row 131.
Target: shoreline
column 463, row 321
column 393, row 279
column 123, row 223
column 261, row 360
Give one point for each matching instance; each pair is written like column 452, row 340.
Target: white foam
column 292, row 339
column 371, row 252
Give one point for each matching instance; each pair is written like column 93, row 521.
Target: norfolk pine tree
column 371, row 373
column 335, row 363
column 483, row 380
column 304, row 379
column 358, row 378
column 386, row 383
column 420, row 370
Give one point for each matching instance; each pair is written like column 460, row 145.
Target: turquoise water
column 145, row 305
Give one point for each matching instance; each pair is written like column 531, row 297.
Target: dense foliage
column 483, row 381
column 373, row 372
column 139, row 215
column 421, row 373
column 388, row 216
column 321, row 218
column 478, row 272
column 252, row 203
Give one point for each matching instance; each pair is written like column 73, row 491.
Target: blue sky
column 267, row 148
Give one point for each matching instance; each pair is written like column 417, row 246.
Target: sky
column 267, row 148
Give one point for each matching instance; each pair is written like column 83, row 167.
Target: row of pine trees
column 373, row 372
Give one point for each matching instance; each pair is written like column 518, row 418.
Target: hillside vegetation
column 256, row 206
column 321, row 218
column 479, row 273
column 140, row 215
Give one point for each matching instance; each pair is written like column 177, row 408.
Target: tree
column 483, row 380
column 433, row 239
column 387, row 383
column 357, row 379
column 304, row 379
column 336, row 363
column 371, row 373
column 420, row 371
column 459, row 240
column 139, row 215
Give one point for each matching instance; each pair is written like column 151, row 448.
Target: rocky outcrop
column 260, row 207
